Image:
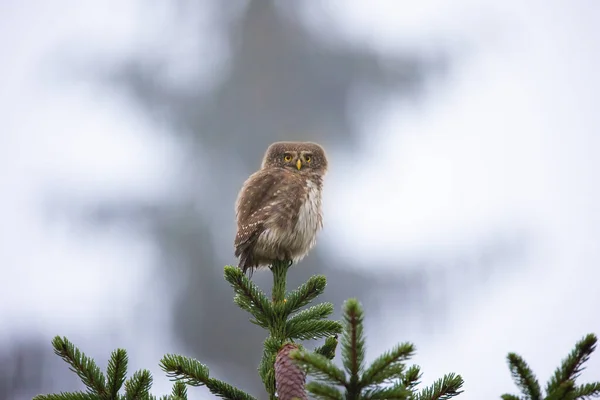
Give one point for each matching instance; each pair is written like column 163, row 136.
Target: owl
column 278, row 209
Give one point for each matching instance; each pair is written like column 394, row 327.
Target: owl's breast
column 309, row 217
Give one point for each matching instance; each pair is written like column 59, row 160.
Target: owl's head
column 301, row 157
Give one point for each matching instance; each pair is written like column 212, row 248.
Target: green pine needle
column 319, row 366
column 83, row 366
column 353, row 342
column 68, row 396
column 588, row 390
column 412, row 377
column 226, row 391
column 328, row 349
column 524, row 377
column 442, row 389
column 564, row 391
column 191, row 372
column 312, row 329
column 510, row 397
column 179, row 391
column 323, row 391
column 388, row 366
column 188, row 370
column 319, row 311
column 249, row 297
column 266, row 369
column 138, row 386
column 116, row 371
column 572, row 366
column 300, row 297
column 396, row 392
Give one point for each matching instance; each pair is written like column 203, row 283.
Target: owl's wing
column 255, row 204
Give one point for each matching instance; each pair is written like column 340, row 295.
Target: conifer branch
column 83, row 366
column 191, row 372
column 179, row 391
column 266, row 370
column 279, row 270
column 323, row 391
column 187, row 370
column 442, row 389
column 249, row 297
column 304, row 330
column 316, row 312
column 387, row 366
column 308, row 291
column 572, row 366
column 564, row 391
column 510, row 397
column 320, row 367
column 523, row 377
column 227, row 391
column 68, row 396
column 396, row 392
column 587, row 391
column 116, row 371
column 412, row 377
column 138, row 386
column 328, row 349
column 353, row 345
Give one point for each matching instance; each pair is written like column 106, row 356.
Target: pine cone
column 289, row 378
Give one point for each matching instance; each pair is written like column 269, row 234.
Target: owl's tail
column 246, row 263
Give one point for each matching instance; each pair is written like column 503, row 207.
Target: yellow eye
column 308, row 159
column 287, row 158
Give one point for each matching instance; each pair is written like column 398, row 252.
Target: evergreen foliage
column 561, row 385
column 385, row 378
column 283, row 317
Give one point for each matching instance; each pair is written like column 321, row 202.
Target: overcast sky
column 509, row 143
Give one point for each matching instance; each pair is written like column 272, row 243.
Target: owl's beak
column 298, row 164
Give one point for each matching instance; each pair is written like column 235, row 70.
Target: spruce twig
column 249, row 297
column 389, row 365
column 306, row 293
column 193, row 373
column 116, row 371
column 83, row 366
column 564, row 391
column 442, row 389
column 523, row 377
column 353, row 346
column 361, row 383
column 588, row 390
column 328, row 349
column 571, row 367
column 138, row 386
column 562, row 384
column 179, row 391
column 510, row 397
column 68, row 396
column 279, row 270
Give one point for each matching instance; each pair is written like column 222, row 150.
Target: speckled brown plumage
column 289, row 378
column 278, row 209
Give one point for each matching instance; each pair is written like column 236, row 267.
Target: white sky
column 511, row 141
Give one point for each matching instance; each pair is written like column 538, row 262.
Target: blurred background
column 461, row 207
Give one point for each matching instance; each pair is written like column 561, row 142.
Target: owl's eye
column 287, row 158
column 308, row 158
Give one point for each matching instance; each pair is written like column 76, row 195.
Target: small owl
column 278, row 209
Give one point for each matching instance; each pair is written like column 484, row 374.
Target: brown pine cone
column 289, row 378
